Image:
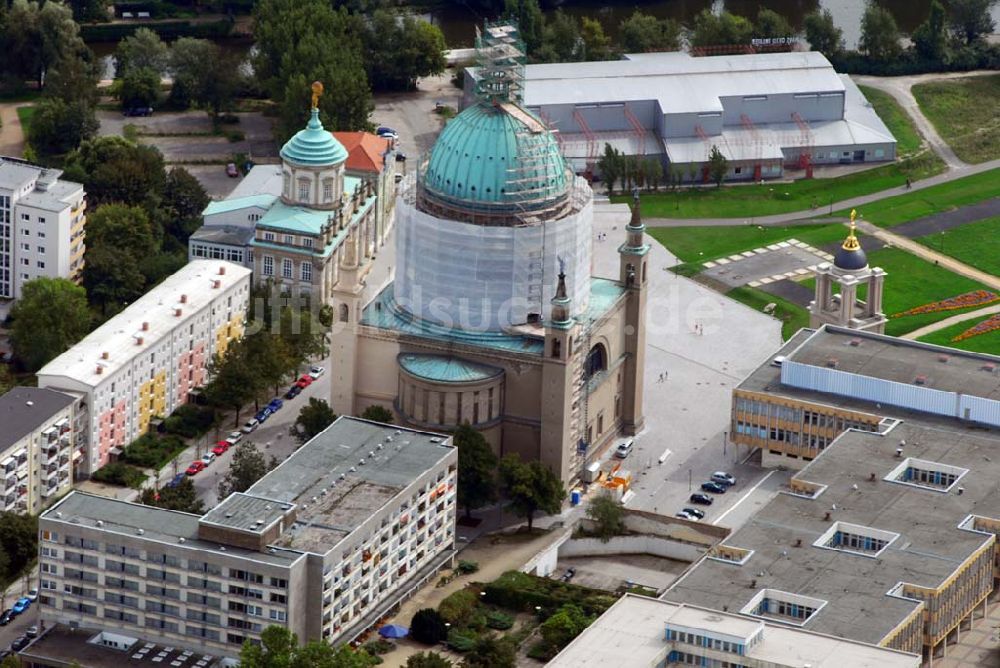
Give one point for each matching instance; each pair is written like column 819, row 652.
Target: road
column 21, row 623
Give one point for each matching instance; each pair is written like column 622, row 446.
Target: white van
column 623, row 449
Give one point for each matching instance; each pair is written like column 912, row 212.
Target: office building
column 641, row 632
column 42, row 226
column 324, row 545
column 147, row 360
column 37, row 448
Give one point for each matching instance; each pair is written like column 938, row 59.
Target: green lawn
column 964, row 112
column 976, row 244
column 900, row 124
column 748, row 201
column 25, row 114
column 942, row 197
column 792, row 316
column 984, row 343
column 698, row 244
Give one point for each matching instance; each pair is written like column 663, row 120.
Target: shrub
column 189, row 421
column 378, row 646
column 150, row 451
column 120, row 473
column 458, row 607
column 500, row 621
column 462, row 640
column 428, row 627
column 542, row 651
column 467, row 567
column 519, row 591
column 235, row 136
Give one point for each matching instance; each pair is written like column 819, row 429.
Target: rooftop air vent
column 181, row 539
column 832, row 362
column 362, row 462
column 100, row 523
column 141, row 531
column 184, row 299
column 145, row 326
column 29, row 404
column 222, row 548
column 943, row 358
column 854, row 343
column 988, row 367
column 352, row 469
column 920, row 380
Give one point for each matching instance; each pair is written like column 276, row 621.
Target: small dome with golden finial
column 851, row 256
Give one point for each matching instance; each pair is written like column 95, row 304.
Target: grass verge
column 984, row 343
column 698, row 244
column 25, row 114
column 792, row 316
column 976, row 244
column 964, row 112
column 749, row 201
column 900, row 124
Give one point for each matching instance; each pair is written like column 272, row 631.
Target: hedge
column 457, row 608
column 189, row 421
column 978, row 56
column 120, row 473
column 151, row 451
column 522, row 592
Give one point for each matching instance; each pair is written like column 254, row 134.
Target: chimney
column 222, row 271
column 100, row 370
column 145, row 326
column 177, row 312
column 184, row 299
column 105, row 355
column 216, row 284
column 138, row 340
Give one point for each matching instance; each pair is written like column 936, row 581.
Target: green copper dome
column 313, row 146
column 491, row 156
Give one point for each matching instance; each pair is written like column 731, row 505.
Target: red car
column 220, row 448
column 305, row 381
column 195, row 468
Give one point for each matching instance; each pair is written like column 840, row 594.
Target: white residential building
column 37, row 450
column 145, row 361
column 42, row 225
column 324, row 545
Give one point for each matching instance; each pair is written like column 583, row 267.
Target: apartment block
column 42, row 226
column 324, row 544
column 37, row 448
column 145, row 362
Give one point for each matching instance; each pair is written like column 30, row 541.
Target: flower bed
column 983, row 327
column 974, row 298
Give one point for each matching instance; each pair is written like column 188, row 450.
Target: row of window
column 287, row 268
column 215, row 253
column 705, row 641
column 306, row 242
column 770, row 607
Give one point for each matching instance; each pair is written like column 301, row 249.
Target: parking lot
column 20, row 624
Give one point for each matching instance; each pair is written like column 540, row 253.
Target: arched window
column 344, row 313
column 597, row 360
column 303, row 190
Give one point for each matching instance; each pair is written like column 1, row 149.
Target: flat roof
column 119, row 336
column 25, row 409
column 332, row 490
column 929, row 548
column 237, row 203
column 260, row 180
column 73, row 647
column 226, row 235
column 170, row 527
column 14, row 175
column 631, row 634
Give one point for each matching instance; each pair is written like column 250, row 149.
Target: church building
column 493, row 317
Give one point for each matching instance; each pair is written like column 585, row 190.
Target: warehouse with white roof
column 765, row 112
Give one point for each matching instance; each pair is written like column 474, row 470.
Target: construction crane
column 755, row 140
column 805, row 144
column 640, row 132
column 591, row 140
column 555, row 131
column 700, row 131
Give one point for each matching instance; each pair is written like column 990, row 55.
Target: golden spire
column 317, row 90
column 851, row 243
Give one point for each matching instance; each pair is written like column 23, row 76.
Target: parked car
column 195, row 468
column 231, row 170
column 701, row 499
column 32, row 632
column 304, row 381
column 724, row 478
column 20, row 643
column 6, row 617
column 176, row 480
column 316, row 371
column 400, row 156
column 293, row 391
column 713, row 487
column 685, row 516
column 21, row 605
column 700, row 514
column 220, row 448
column 264, row 413
column 32, row 595
column 138, row 111
column 623, row 449
column 208, row 458
column 250, row 425
column 275, row 405
column 568, row 575
column 234, row 437
column 386, row 132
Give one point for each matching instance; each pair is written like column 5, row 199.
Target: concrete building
column 324, row 544
column 65, row 647
column 145, row 362
column 822, row 382
column 42, row 225
column 765, row 112
column 297, row 223
column 849, row 272
column 493, row 317
column 887, row 538
column 37, row 448
column 641, row 632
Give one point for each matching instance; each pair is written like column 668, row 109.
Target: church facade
column 493, row 317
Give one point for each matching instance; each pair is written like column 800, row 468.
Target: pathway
column 11, row 134
column 953, row 320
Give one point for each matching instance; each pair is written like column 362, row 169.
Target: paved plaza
column 767, row 264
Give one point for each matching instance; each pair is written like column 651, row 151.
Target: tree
column 401, row 49
column 724, row 29
column 182, row 497
column 770, row 23
column 75, row 80
column 119, row 242
column 530, row 487
column 19, row 542
column 184, row 198
column 11, row 661
column 491, row 652
column 89, row 10
column 823, row 34
column 313, row 418
column 428, row 660
column 971, row 19
column 596, row 44
column 203, row 74
column 140, row 88
column 50, row 317
column 561, row 42
column 427, row 626
column 142, row 50
column 611, row 166
column 248, row 466
column 477, row 466
column 114, row 169
column 530, row 21
column 45, row 35
column 377, row 413
column 564, row 625
column 640, row 33
column 608, row 516
column 879, row 34
column 232, row 383
column 718, row 166
column 930, row 39
column 279, row 648
column 7, row 380
column 58, row 126
column 654, row 173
